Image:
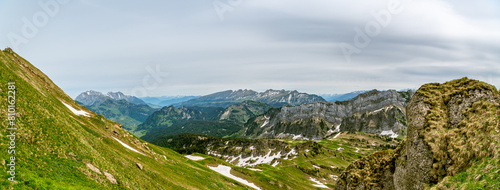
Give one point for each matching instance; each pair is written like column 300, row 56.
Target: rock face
column 380, row 112
column 450, row 126
column 275, row 98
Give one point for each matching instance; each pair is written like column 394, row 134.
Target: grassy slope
column 53, row 145
column 295, row 173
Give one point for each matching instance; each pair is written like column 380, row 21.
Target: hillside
column 214, row 121
column 379, row 112
column 245, row 110
column 275, row 98
column 61, row 145
column 452, row 143
column 167, row 116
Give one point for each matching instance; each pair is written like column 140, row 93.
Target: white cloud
column 290, row 44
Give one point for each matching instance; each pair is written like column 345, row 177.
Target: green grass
column 294, row 173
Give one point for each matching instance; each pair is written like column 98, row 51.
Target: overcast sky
column 194, row 47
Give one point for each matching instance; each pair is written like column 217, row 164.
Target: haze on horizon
column 202, row 47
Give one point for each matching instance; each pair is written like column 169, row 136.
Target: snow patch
column 296, row 136
column 195, row 158
column 389, row 133
column 357, row 149
column 377, row 110
column 291, row 153
column 336, row 135
column 337, row 128
column 265, row 122
column 384, row 108
column 127, row 146
column 317, row 167
column 226, row 171
column 275, row 164
column 251, row 160
column 77, row 112
column 335, row 177
column 254, row 169
column 318, row 184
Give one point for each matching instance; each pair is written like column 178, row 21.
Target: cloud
column 260, row 44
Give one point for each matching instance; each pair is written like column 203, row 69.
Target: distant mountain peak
column 92, row 97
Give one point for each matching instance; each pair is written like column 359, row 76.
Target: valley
column 442, row 136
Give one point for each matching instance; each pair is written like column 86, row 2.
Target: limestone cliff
column 379, row 112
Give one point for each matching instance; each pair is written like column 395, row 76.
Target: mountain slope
column 57, row 149
column 275, row 98
column 213, row 121
column 452, row 143
column 170, row 115
column 380, row 112
column 242, row 112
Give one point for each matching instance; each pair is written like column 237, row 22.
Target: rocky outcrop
column 450, row 126
column 373, row 112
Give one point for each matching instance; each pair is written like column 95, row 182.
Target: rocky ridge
column 380, row 112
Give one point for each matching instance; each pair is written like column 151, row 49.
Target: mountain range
column 130, row 111
column 60, row 144
column 452, row 141
column 275, row 98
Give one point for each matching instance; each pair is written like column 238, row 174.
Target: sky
column 194, row 47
